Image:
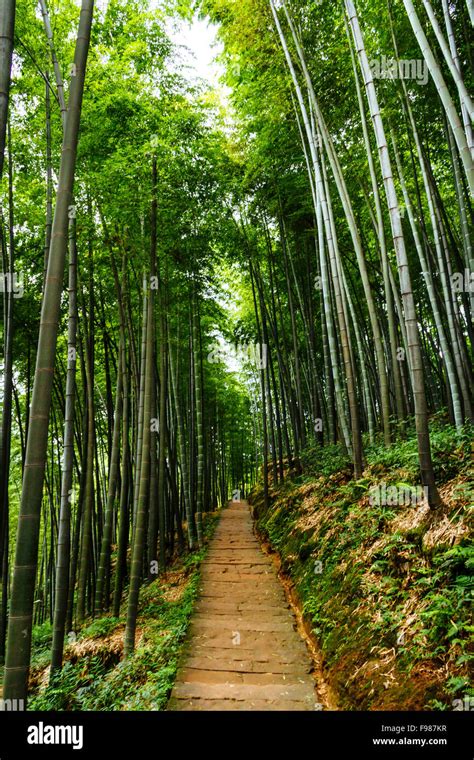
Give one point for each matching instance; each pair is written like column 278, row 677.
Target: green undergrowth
column 386, row 589
column 96, row 676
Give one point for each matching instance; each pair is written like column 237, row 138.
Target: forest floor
column 243, row 650
column 95, row 675
column 385, row 589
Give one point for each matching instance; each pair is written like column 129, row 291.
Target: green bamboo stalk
column 21, row 609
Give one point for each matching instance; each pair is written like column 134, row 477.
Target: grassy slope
column 95, row 675
column 387, row 590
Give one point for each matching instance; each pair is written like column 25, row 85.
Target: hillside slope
column 385, row 587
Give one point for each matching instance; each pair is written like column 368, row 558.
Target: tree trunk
column 7, row 26
column 199, row 419
column 416, row 361
column 438, row 79
column 143, row 489
column 21, row 610
column 64, row 537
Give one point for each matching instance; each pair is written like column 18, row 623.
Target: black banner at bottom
column 122, row 735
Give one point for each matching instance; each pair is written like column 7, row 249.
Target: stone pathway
column 243, row 651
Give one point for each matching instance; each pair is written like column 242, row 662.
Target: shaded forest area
column 262, row 289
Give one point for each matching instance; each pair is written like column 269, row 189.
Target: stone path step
column 243, row 650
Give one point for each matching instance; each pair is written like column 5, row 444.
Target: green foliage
column 41, row 638
column 59, row 696
column 41, row 635
column 99, row 628
column 450, row 450
column 141, row 682
column 325, row 460
column 102, row 680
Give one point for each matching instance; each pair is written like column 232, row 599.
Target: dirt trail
column 243, row 651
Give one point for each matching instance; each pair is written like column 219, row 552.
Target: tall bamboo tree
column 21, row 611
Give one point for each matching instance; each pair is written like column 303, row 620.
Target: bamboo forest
column 237, row 299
